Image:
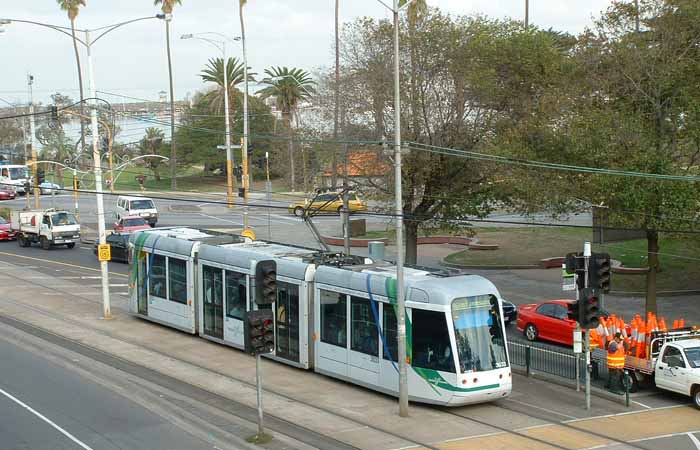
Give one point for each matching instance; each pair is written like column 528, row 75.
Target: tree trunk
column 173, row 155
column 80, row 86
column 653, row 259
column 411, row 234
column 291, row 154
column 336, row 112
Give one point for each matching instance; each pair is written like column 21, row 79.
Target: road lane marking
column 45, row 419
column 641, row 404
column 694, row 440
column 530, row 405
column 61, row 264
column 223, row 220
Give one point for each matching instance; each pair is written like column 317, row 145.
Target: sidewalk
column 339, row 411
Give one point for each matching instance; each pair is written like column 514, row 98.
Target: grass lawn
column 527, row 246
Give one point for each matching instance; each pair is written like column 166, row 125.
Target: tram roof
column 421, row 286
column 180, row 240
column 289, row 259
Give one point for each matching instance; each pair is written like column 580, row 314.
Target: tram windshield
column 479, row 333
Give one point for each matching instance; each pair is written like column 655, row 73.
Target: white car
column 678, row 368
column 48, row 188
column 137, row 206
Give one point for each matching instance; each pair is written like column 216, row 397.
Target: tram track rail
column 276, row 423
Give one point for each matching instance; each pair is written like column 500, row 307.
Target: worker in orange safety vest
column 616, row 363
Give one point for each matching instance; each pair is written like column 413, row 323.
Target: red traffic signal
column 588, row 311
column 259, row 333
column 265, row 282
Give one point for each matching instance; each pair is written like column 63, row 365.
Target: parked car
column 328, row 202
column 48, row 188
column 137, row 206
column 7, row 193
column 129, row 224
column 510, row 312
column 547, row 320
column 6, row 232
column 120, row 246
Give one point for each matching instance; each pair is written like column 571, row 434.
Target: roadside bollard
column 627, row 381
column 527, row 360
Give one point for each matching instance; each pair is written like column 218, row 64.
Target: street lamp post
column 88, row 42
column 221, row 45
column 400, row 300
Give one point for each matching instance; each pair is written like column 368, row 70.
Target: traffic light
column 259, row 336
column 241, row 192
column 40, row 175
column 54, row 113
column 599, row 272
column 572, row 310
column 575, row 264
column 265, row 282
column 588, row 311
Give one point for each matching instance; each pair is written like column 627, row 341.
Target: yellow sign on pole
column 104, row 252
column 248, row 233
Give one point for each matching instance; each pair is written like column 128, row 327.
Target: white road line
column 530, row 405
column 641, row 404
column 118, row 285
column 694, row 440
column 223, row 220
column 627, row 413
column 45, row 419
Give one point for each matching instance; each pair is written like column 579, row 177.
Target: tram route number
column 104, row 252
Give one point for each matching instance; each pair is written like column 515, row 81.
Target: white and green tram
column 335, row 315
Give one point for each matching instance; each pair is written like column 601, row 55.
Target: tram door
column 213, row 304
column 287, row 321
column 141, row 286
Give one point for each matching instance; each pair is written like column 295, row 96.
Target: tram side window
column 235, row 294
column 156, row 276
column 364, row 326
column 389, row 330
column 431, row 341
column 177, row 280
column 333, row 318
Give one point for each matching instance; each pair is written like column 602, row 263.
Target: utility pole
column 587, row 335
column 346, row 201
column 527, row 13
column 268, row 193
column 637, row 24
column 106, row 308
column 75, row 194
column 229, row 161
column 32, row 137
column 401, row 316
column 246, row 181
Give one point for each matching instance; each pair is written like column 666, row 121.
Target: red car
column 548, row 320
column 6, row 234
column 7, row 193
column 128, row 224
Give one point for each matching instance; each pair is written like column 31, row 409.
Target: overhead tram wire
column 378, row 213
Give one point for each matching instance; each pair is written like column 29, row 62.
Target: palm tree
column 150, row 145
column 167, row 8
column 72, row 7
column 289, row 87
column 214, row 73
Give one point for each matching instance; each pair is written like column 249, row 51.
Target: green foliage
column 167, row 5
column 213, row 72
column 72, row 7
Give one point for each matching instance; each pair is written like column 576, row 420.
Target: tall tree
column 72, row 7
column 152, row 144
column 415, row 13
column 289, row 87
column 167, row 8
column 213, row 72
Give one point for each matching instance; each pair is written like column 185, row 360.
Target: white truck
column 673, row 363
column 15, row 175
column 47, row 227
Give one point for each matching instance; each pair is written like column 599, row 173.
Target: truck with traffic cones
column 654, row 353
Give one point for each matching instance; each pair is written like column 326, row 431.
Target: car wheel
column 530, row 332
column 71, row 245
column 298, row 211
column 45, row 244
column 20, row 241
column 696, row 396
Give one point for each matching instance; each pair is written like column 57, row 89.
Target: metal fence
column 538, row 359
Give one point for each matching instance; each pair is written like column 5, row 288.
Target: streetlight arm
column 217, row 44
column 391, row 8
column 46, row 25
column 113, row 27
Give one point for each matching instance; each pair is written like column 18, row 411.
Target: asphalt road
column 44, row 405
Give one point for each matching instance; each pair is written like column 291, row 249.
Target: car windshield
column 479, row 333
column 134, row 222
column 142, row 204
column 63, row 218
column 693, row 355
column 18, row 172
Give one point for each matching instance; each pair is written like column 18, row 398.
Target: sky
column 131, row 61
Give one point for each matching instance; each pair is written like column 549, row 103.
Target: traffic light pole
column 258, row 383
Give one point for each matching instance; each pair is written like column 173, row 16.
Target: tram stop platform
column 306, row 410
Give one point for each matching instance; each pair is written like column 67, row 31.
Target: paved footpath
column 313, row 411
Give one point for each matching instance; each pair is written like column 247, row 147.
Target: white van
column 137, row 206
